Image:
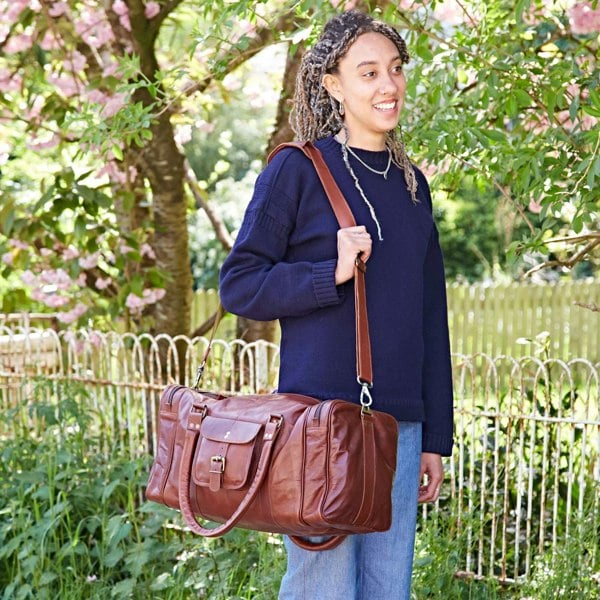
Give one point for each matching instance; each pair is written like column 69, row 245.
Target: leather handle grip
column 185, row 472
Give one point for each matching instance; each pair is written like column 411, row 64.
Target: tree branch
column 201, row 202
column 570, row 262
column 575, row 239
column 262, row 37
column 592, row 307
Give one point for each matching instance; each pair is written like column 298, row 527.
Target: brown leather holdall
column 283, row 463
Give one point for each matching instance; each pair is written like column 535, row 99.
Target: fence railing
column 526, row 466
column 491, row 318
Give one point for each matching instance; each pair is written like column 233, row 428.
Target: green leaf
column 113, row 557
column 422, row 48
column 495, row 135
column 117, row 152
column 573, row 108
column 80, row 228
column 522, row 97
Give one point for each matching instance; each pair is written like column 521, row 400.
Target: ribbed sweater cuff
column 437, row 444
column 326, row 292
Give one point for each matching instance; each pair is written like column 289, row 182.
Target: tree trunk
column 163, row 165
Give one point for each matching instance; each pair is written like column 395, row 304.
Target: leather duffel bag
column 283, row 463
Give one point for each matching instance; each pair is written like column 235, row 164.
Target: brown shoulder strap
column 364, row 368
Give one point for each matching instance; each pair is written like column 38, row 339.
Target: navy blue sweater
column 282, row 266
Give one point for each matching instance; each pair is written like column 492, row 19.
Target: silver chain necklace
column 345, row 149
column 364, row 164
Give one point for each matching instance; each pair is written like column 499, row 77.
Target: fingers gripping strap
column 364, row 369
column 185, row 472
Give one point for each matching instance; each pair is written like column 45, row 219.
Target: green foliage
column 508, row 96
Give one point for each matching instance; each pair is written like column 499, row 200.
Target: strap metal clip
column 365, row 397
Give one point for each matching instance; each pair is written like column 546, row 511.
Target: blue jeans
column 372, row 566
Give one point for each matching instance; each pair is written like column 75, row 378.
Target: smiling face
column 370, row 83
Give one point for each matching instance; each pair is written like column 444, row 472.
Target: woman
column 290, row 262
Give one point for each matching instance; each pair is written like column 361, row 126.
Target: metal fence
column 526, row 467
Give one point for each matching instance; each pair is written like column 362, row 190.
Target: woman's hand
column 431, row 466
column 351, row 241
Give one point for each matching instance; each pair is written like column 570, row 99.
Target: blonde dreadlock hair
column 315, row 113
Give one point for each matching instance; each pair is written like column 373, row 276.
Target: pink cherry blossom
column 7, row 258
column 4, row 31
column 120, row 8
column 125, row 249
column 535, row 207
column 583, row 18
column 73, row 314
column 95, row 339
column 28, row 278
column 113, row 171
column 16, row 8
column 46, row 252
column 58, row 277
column 125, row 22
column 97, row 96
column 77, row 61
column 58, row 9
column 147, row 250
column 89, row 262
column 18, row 244
column 110, row 70
column 55, row 301
column 134, row 303
column 38, row 295
column 65, row 83
column 18, row 43
column 103, row 283
column 70, row 253
column 81, row 280
column 114, row 105
column 151, row 10
column 154, row 295
column 51, row 142
column 49, row 41
column 10, row 82
column 449, row 11
column 93, row 27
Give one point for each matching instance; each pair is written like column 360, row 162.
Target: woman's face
column 371, row 85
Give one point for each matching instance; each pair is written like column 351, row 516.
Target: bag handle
column 272, row 428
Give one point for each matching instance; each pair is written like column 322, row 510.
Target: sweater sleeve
column 437, row 367
column 255, row 280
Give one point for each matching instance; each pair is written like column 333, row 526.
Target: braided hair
column 315, row 113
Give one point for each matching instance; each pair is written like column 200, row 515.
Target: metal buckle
column 365, row 397
column 278, row 419
column 199, row 375
column 217, row 464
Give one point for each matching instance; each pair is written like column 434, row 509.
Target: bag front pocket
column 225, row 453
